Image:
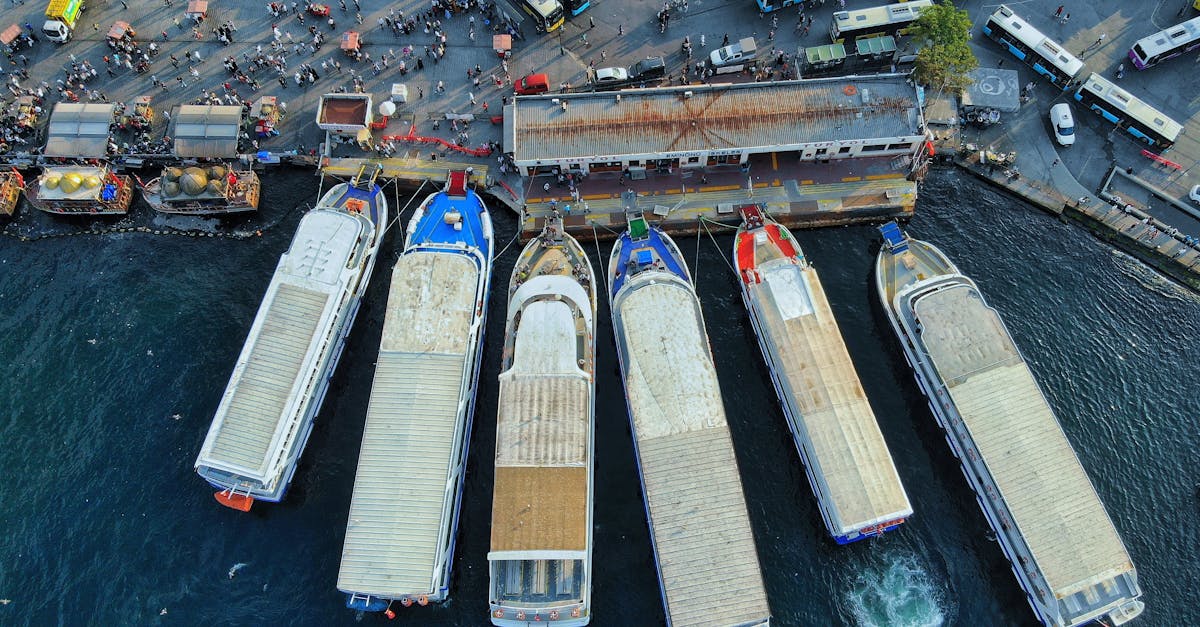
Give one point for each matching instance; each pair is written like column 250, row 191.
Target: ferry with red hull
column 846, row 459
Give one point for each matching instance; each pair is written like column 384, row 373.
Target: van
column 1063, row 123
column 648, row 69
column 533, row 84
column 734, row 54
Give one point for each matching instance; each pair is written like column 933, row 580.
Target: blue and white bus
column 575, row 7
column 893, row 19
column 1128, row 112
column 1166, row 44
column 1047, row 57
column 766, row 6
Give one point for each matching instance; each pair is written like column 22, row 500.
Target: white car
column 1195, row 194
column 611, row 75
column 1063, row 123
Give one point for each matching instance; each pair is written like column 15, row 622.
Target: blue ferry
column 400, row 537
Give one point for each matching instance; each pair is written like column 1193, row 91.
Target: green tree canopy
column 945, row 57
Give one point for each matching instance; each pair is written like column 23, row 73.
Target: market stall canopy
column 79, row 130
column 206, row 131
column 350, row 40
column 118, row 30
column 199, row 7
column 10, row 34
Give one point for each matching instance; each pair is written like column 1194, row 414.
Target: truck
column 734, row 57
column 61, row 16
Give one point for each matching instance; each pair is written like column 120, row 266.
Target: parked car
column 733, row 54
column 1063, row 123
column 648, row 69
column 533, row 84
column 1195, row 194
column 611, row 75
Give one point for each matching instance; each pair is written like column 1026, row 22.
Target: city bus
column 893, row 19
column 576, row 6
column 547, row 14
column 1165, row 44
column 766, row 6
column 1047, row 57
column 1128, row 112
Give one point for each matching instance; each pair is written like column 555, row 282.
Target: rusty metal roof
column 713, row 117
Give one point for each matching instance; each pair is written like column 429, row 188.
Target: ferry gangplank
column 281, row 377
column 845, row 457
column 400, row 537
column 1035, row 494
column 703, row 543
column 540, row 561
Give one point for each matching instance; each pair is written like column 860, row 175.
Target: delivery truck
column 61, row 16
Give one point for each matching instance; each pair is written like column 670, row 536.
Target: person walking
column 1058, row 13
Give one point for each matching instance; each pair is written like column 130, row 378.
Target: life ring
column 422, row 600
column 849, row 90
column 406, row 602
column 553, row 614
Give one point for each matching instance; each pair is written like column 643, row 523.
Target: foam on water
column 895, row 590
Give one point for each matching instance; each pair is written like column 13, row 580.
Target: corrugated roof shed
column 713, row 117
column 79, row 130
column 206, row 131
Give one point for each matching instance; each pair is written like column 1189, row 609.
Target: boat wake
column 236, row 567
column 1151, row 279
column 895, row 590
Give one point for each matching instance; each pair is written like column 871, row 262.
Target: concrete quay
column 619, row 32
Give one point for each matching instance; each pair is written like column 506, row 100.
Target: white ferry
column 283, row 372
column 400, row 537
column 703, row 543
column 845, row 457
column 540, row 561
column 1055, row 532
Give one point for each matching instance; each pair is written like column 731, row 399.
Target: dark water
column 117, row 348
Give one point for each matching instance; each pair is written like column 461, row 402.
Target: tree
column 945, row 56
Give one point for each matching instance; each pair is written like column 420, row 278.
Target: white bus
column 1165, row 44
column 893, row 19
column 1128, row 112
column 1048, row 58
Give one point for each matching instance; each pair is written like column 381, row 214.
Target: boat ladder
column 367, row 173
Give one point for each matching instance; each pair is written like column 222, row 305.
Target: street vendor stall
column 351, row 43
column 197, row 9
column 140, row 118
column 265, row 115
column 12, row 37
column 120, row 31
column 319, row 10
column 23, row 115
column 502, row 44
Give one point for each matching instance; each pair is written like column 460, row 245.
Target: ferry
column 80, row 190
column 703, row 544
column 400, row 537
column 540, row 562
column 281, row 377
column 11, row 184
column 1058, row 538
column 203, row 190
column 848, row 464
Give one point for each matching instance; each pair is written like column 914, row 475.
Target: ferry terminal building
column 714, row 126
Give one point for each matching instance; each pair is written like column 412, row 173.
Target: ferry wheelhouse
column 845, row 457
column 703, row 544
column 280, row 379
column 540, row 563
column 400, row 536
column 1058, row 538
